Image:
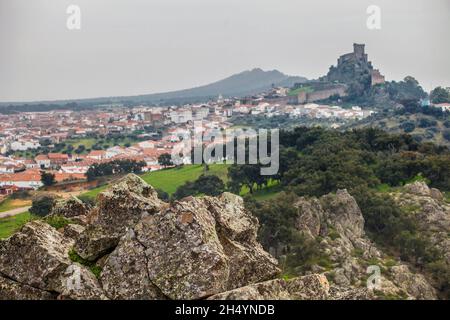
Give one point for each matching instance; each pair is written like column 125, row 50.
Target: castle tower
column 358, row 50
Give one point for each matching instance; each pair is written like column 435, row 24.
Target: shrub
column 57, row 222
column 42, row 205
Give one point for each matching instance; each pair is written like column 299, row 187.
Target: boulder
column 69, row 208
column 310, row 216
column 311, row 287
column 344, row 214
column 418, row 188
column 237, row 231
column 412, row 283
column 94, row 242
column 79, row 283
column 185, row 257
column 198, row 247
column 118, row 209
column 12, row 290
column 73, row 231
column 35, row 256
column 125, row 274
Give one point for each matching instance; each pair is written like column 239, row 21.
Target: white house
column 30, row 179
column 23, row 145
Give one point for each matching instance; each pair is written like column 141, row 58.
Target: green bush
column 57, row 222
column 42, row 205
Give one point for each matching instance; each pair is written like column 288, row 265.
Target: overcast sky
column 128, row 47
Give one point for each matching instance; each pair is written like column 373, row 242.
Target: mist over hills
column 245, row 83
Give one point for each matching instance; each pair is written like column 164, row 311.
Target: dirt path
column 13, row 212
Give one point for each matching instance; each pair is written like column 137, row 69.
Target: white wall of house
column 24, row 145
column 22, row 184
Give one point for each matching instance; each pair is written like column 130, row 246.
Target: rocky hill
column 132, row 245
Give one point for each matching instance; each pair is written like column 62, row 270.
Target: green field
column 10, row 225
column 10, row 204
column 299, row 90
column 169, row 180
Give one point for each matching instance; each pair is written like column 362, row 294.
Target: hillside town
column 154, row 129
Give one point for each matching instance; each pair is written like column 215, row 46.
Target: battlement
column 358, row 50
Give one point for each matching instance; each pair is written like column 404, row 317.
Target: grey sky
column 128, row 47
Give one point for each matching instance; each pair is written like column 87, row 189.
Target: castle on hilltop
column 353, row 76
column 354, row 65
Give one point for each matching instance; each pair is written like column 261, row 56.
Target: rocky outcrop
column 432, row 213
column 69, row 208
column 12, row 290
column 313, row 287
column 36, row 256
column 336, row 222
column 147, row 249
column 125, row 273
column 118, row 208
column 134, row 246
column 198, row 247
column 77, row 282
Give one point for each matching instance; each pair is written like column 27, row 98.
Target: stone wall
column 304, row 97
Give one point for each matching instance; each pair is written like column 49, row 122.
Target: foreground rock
column 201, row 248
column 36, row 256
column 195, row 248
column 69, row 208
column 312, row 287
column 80, row 283
column 125, row 274
column 118, row 208
column 12, row 290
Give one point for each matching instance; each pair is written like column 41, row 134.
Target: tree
column 47, row 178
column 446, row 134
column 439, row 95
column 165, row 160
column 80, row 149
column 209, row 185
column 114, row 167
column 42, row 205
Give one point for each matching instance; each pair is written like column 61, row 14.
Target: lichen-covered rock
column 339, row 293
column 337, row 219
column 95, row 242
column 79, row 283
column 118, row 208
column 418, row 188
column 237, row 232
column 310, row 216
column 412, row 283
column 344, row 213
column 198, row 247
column 73, row 231
column 432, row 214
column 12, row 290
column 311, row 287
column 125, row 274
column 185, row 257
column 35, row 256
column 69, row 208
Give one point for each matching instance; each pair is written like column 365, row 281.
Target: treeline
column 315, row 162
column 44, row 107
column 114, row 167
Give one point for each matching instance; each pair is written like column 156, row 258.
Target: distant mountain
column 241, row 84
